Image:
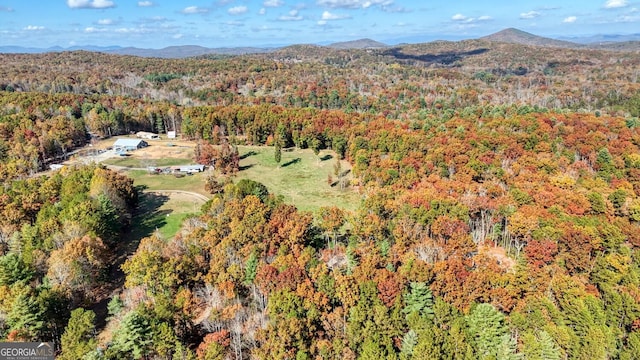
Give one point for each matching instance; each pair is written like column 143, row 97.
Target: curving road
column 194, row 194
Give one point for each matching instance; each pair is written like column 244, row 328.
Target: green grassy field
column 193, row 183
column 301, row 177
column 137, row 162
column 163, row 213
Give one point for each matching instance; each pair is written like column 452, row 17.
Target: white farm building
column 122, row 145
column 147, row 135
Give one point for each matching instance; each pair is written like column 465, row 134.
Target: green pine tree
column 78, row 339
column 409, row 342
column 487, row 332
column 26, row 316
column 419, row 299
column 278, row 153
column 133, row 339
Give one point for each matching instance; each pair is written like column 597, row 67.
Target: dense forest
column 500, row 211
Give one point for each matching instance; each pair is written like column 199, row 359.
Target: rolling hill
column 358, row 44
column 516, row 36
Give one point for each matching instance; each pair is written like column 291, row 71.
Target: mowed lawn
column 193, row 183
column 163, row 212
column 301, row 177
column 137, row 162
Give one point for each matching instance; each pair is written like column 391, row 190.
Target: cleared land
column 164, row 212
column 301, row 176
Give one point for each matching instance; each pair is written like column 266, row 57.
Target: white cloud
column 234, row 23
column 238, row 10
column 465, row 19
column 293, row 15
column 138, row 30
column 106, row 22
column 92, row 29
column 529, row 15
column 5, row 9
column 329, row 16
column 90, row 4
column 262, row 11
column 570, row 19
column 273, row 3
column 34, row 28
column 177, row 36
column 322, row 22
column 145, row 3
column 353, row 4
column 458, row 17
column 614, row 4
column 194, row 10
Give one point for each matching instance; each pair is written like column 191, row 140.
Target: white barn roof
column 128, row 142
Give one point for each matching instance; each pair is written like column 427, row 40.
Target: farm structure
column 190, row 168
column 123, row 145
column 147, row 135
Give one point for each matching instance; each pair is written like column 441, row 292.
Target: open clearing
column 301, row 176
column 163, row 211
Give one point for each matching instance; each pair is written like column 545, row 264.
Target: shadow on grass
column 250, row 153
column 326, row 157
column 291, row 162
column 245, row 167
column 147, row 219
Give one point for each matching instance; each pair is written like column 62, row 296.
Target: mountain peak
column 517, row 36
column 358, row 44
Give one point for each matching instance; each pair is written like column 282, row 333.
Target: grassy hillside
column 301, row 177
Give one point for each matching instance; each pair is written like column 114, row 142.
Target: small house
column 123, row 145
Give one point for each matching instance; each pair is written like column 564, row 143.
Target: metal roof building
column 128, row 144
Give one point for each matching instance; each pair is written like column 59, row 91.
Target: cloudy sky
column 218, row 23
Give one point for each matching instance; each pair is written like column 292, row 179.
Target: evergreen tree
column 409, row 342
column 13, row 269
column 79, row 336
column 426, row 348
column 115, row 306
column 488, row 333
column 278, row 153
column 25, row 319
column 419, row 299
column 631, row 349
column 548, row 348
column 133, row 339
column 371, row 350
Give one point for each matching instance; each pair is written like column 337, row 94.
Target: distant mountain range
column 358, row 44
column 604, row 42
column 600, row 42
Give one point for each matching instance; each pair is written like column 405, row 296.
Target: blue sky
column 229, row 23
